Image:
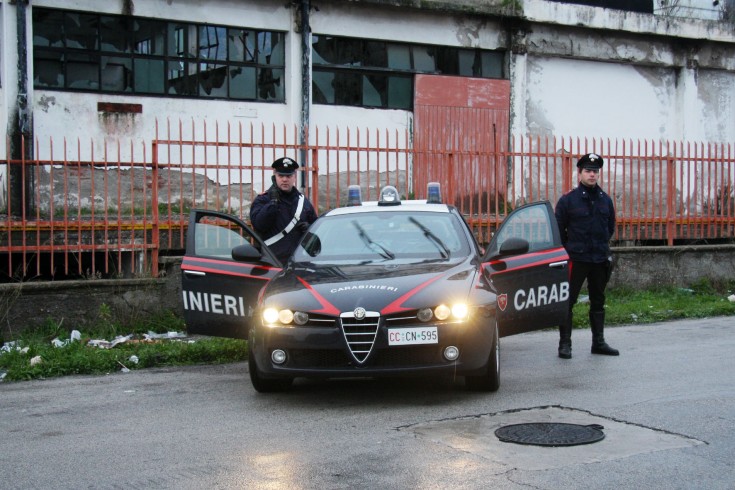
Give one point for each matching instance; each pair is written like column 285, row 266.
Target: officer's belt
column 290, row 225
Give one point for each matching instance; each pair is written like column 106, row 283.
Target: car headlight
column 270, row 315
column 458, row 311
column 425, row 314
column 284, row 316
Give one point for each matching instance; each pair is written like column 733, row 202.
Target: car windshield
column 383, row 236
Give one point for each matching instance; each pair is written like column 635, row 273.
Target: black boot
column 565, row 339
column 599, row 346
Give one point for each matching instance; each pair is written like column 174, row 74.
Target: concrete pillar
column 518, row 105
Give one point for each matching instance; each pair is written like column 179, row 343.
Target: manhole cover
column 550, row 434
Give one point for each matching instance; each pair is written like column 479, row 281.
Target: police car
column 385, row 288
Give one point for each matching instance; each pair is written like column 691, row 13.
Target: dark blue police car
column 386, row 288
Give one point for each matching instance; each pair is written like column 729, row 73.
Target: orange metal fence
column 83, row 209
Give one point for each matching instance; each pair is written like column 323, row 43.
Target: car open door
column 528, row 269
column 219, row 293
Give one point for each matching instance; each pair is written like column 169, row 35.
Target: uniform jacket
column 268, row 219
column 586, row 218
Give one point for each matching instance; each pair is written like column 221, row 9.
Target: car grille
column 413, row 356
column 360, row 333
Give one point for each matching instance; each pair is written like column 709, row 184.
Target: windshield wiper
column 443, row 249
column 373, row 245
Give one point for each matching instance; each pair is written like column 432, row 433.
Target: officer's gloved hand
column 274, row 195
column 302, row 226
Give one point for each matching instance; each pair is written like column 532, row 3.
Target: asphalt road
column 667, row 407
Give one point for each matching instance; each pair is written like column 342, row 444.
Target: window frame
column 187, row 69
column 349, row 58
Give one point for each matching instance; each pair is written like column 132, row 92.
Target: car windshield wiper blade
column 373, row 245
column 443, row 249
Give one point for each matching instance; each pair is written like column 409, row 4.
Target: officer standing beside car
column 586, row 218
column 282, row 214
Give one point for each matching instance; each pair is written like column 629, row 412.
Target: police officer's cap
column 285, row 166
column 591, row 161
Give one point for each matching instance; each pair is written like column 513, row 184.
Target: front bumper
column 324, row 352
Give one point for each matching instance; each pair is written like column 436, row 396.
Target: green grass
column 624, row 307
column 80, row 357
column 627, row 306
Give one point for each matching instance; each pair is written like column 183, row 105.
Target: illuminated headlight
column 270, row 315
column 285, row 316
column 425, row 315
column 458, row 311
column 442, row 312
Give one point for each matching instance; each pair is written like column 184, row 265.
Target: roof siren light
column 389, row 196
column 354, row 195
column 434, row 193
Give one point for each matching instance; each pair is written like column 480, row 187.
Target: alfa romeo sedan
column 387, row 288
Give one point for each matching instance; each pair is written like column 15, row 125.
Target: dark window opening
column 368, row 73
column 124, row 54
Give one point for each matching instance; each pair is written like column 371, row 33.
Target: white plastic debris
column 168, row 335
column 9, row 346
column 75, row 336
column 2, row 375
column 731, row 298
column 134, row 359
column 36, row 360
column 104, row 344
column 124, row 368
column 634, row 316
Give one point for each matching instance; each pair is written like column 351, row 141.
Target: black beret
column 285, row 166
column 591, row 161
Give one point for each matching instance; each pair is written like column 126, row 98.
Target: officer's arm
column 611, row 222
column 560, row 212
column 262, row 213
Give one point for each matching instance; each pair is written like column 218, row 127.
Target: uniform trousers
column 596, row 276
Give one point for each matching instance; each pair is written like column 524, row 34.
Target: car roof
column 417, row 205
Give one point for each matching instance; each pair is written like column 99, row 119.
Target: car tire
column 490, row 380
column 265, row 385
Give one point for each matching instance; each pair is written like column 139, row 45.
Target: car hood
column 387, row 289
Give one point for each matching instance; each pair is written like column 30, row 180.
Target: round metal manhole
column 550, row 434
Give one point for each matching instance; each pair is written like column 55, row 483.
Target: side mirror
column 246, row 253
column 513, row 246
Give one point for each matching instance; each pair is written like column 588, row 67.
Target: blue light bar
column 434, row 193
column 354, row 195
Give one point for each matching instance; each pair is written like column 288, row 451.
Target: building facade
column 112, row 71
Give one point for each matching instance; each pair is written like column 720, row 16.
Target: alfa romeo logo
column 359, row 313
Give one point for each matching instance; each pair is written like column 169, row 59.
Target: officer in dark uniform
column 586, row 218
column 282, row 214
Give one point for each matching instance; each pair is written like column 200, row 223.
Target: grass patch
column 82, row 357
column 624, row 307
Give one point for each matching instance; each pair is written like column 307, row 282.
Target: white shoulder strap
column 291, row 224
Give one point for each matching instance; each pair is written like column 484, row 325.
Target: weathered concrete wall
column 78, row 303
column 649, row 267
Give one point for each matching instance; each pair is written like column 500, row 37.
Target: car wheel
column 265, row 385
column 490, row 380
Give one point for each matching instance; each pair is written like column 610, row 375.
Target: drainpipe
column 22, row 127
column 305, row 78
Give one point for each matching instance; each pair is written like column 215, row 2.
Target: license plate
column 413, row 336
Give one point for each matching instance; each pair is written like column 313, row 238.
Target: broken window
column 370, row 73
column 124, row 54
